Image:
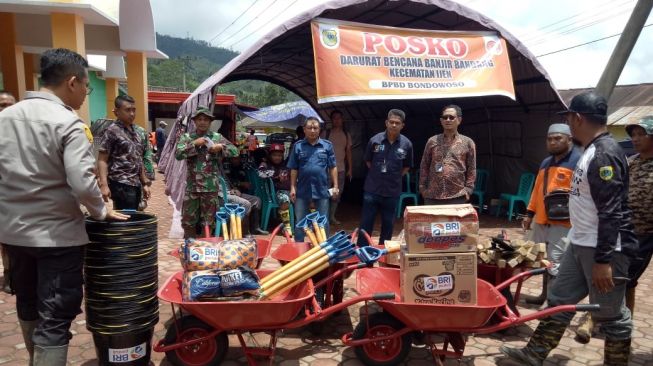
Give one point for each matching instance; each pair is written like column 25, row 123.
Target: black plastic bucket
column 121, row 282
column 129, row 349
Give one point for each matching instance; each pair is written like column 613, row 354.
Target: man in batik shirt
column 448, row 168
column 120, row 160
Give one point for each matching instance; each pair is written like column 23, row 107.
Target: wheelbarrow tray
column 244, row 315
column 262, row 248
column 429, row 317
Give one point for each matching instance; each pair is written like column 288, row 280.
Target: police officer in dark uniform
column 602, row 240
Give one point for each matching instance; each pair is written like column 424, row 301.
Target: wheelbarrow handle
column 517, row 277
column 367, row 237
column 274, row 233
column 384, row 296
column 357, row 232
column 588, row 307
column 537, row 271
column 354, row 235
column 207, row 231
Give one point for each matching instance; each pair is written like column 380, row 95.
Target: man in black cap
column 602, row 240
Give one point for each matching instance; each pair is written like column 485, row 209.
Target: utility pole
column 624, row 47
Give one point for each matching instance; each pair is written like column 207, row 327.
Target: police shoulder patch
column 606, row 172
column 87, row 131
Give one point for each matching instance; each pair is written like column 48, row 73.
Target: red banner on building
column 355, row 61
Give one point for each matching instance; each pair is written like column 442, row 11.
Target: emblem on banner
column 329, row 36
column 493, row 45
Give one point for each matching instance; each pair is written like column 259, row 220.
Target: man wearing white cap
column 548, row 209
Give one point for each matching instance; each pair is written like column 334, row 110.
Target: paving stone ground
column 301, row 347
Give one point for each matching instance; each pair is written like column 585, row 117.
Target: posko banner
column 355, row 61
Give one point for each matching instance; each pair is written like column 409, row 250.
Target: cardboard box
column 439, row 278
column 445, row 228
column 394, row 259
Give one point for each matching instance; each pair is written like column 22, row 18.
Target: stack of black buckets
column 121, row 282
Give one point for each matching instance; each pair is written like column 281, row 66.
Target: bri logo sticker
column 196, row 254
column 606, row 172
column 445, row 228
column 124, row 355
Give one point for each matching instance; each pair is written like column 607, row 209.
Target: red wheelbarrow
column 385, row 338
column 263, row 245
column 198, row 334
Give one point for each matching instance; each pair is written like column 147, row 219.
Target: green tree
column 192, row 61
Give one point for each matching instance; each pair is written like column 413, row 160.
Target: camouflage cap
column 646, row 123
column 202, row 110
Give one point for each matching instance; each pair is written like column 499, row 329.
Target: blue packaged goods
column 201, row 285
column 240, row 281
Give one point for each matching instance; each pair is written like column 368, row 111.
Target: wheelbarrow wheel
column 382, row 353
column 207, row 353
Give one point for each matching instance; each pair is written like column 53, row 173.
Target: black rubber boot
column 545, row 338
column 27, row 328
column 616, row 353
column 50, row 356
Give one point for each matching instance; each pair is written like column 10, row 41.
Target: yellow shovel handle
column 323, row 232
column 234, row 228
column 312, row 255
column 292, row 276
column 225, row 231
column 311, row 236
column 268, row 295
column 239, row 227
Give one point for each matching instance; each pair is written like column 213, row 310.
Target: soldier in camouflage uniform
column 203, row 151
column 148, row 164
column 148, row 154
column 640, row 198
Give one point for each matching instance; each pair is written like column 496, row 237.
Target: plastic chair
column 225, row 191
column 523, row 194
column 408, row 194
column 271, row 204
column 480, row 186
column 256, row 182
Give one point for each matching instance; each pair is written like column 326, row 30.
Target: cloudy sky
column 545, row 26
